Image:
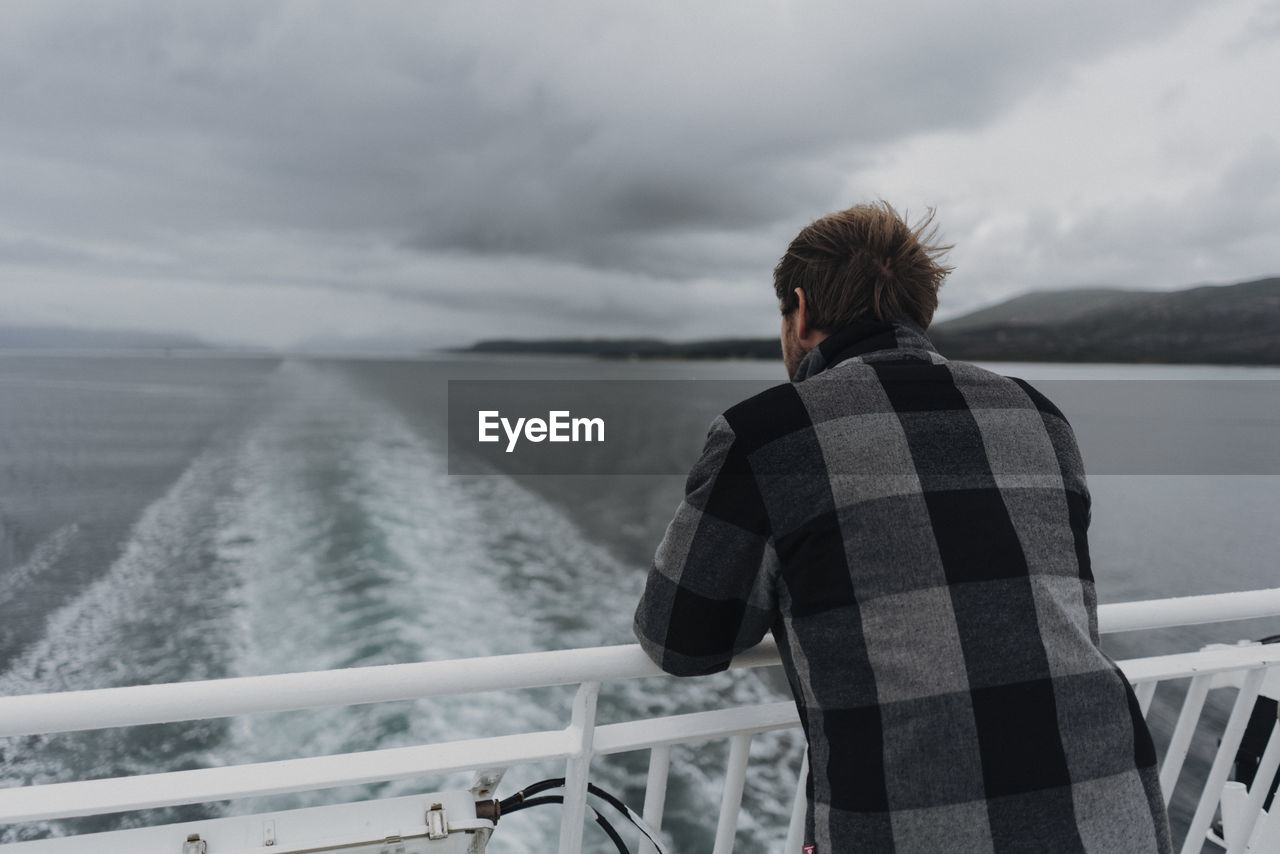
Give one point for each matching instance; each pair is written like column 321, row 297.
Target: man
column 913, row 531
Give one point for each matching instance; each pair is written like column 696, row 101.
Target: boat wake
column 326, row 533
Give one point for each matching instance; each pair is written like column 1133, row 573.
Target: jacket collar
column 869, row 341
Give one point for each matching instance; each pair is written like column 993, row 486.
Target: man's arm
column 1076, row 493
column 709, row 595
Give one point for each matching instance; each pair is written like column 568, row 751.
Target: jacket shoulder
column 763, row 418
column 1018, row 391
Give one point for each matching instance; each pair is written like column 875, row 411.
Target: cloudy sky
column 279, row 173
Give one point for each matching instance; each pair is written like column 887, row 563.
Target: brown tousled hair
column 864, row 263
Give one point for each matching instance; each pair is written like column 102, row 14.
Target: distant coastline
column 1215, row 324
column 64, row 338
column 1236, row 324
column 635, row 348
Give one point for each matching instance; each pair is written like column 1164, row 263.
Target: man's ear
column 802, row 316
column 809, row 335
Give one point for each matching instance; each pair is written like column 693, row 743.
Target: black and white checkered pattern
column 913, row 531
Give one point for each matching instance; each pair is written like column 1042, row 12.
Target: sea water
column 192, row 517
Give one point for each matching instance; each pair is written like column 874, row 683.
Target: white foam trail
column 46, row 553
column 104, row 636
column 355, row 548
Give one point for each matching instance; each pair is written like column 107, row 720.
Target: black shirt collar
column 874, row 340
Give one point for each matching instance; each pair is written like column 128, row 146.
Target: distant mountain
column 638, row 348
column 70, row 338
column 1222, row 324
column 1045, row 307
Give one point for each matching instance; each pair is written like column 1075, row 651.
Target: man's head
column 864, row 263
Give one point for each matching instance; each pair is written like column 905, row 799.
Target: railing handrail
column 105, row 708
column 1188, row 610
column 134, row 705
column 170, row 788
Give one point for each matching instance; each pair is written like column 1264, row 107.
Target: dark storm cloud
column 565, row 131
column 679, row 129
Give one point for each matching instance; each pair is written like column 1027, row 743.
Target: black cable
column 626, row 812
column 613, row 834
column 507, row 804
column 533, row 802
column 543, row 785
column 525, row 798
column 524, row 802
column 609, row 799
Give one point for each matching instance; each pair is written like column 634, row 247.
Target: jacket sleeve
column 1076, row 491
column 709, row 594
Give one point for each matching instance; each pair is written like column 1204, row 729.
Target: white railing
column 1248, row 668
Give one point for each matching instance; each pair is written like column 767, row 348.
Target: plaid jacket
column 912, row 530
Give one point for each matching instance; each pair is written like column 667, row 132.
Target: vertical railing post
column 1231, row 735
column 576, row 770
column 799, row 807
column 1180, row 742
column 1262, row 777
column 1268, row 835
column 735, row 777
column 1144, row 693
column 655, row 792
